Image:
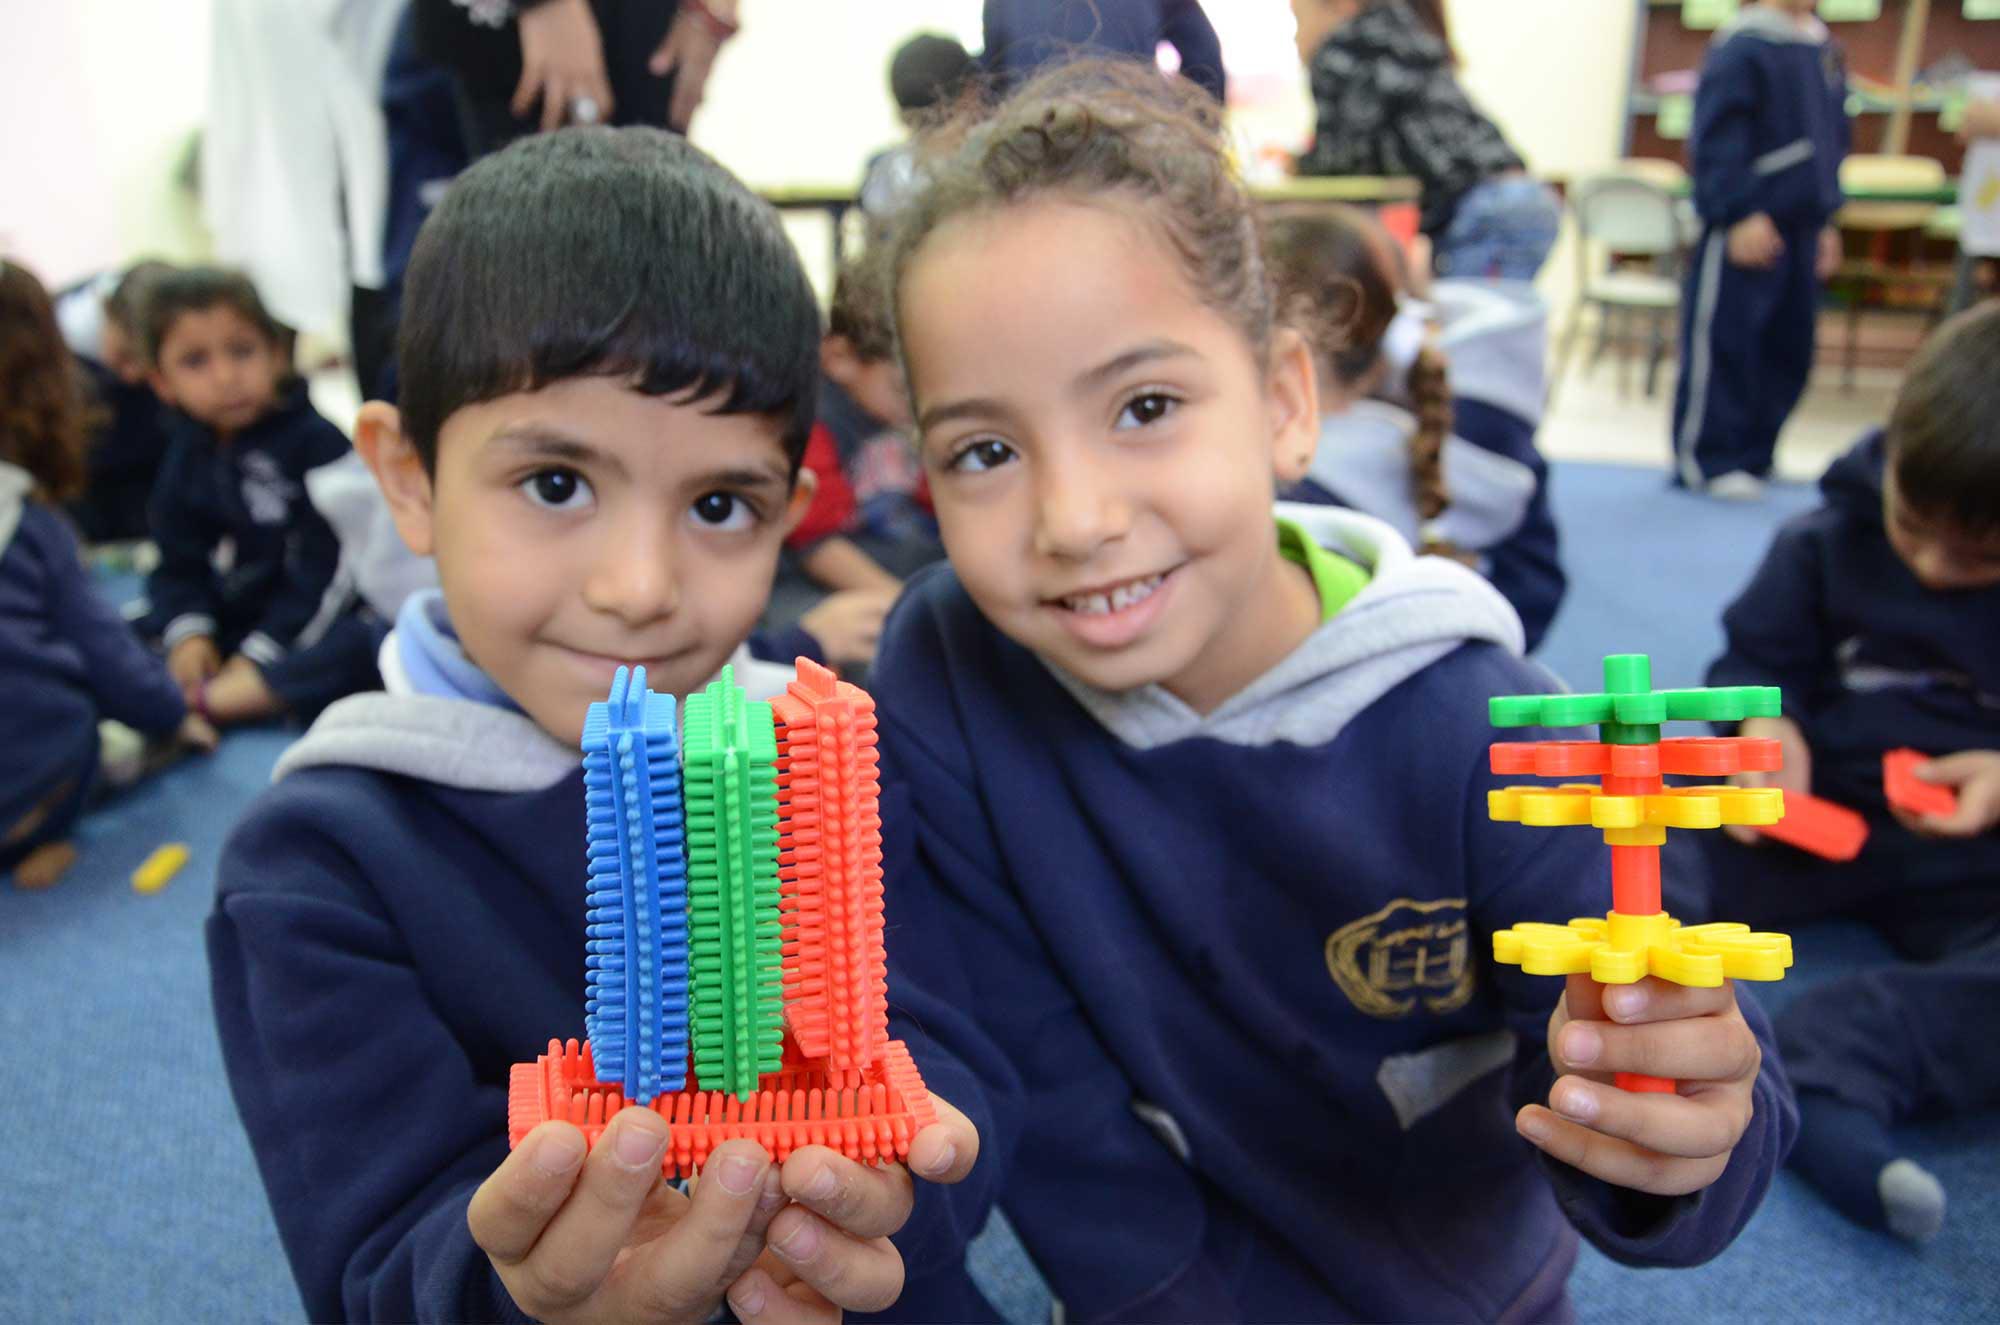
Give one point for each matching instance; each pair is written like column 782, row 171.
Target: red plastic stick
column 1819, row 826
column 1911, row 794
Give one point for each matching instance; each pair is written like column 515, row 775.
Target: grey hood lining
column 15, row 486
column 458, row 743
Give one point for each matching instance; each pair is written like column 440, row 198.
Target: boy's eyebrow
column 743, row 477
column 547, row 443
column 981, row 408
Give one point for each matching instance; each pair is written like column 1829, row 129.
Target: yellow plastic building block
column 1620, row 949
column 159, row 868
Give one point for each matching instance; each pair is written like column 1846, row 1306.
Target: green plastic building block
column 736, row 998
column 1630, row 711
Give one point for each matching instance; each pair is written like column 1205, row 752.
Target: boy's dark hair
column 860, row 309
column 598, row 252
column 928, row 70
column 174, row 294
column 125, row 306
column 1944, row 432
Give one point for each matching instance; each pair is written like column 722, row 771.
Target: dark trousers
column 1746, row 354
column 1903, row 1042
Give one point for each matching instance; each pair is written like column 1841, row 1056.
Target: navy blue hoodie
column 244, row 557
column 66, row 657
column 1770, row 123
column 1258, row 1063
column 1869, row 659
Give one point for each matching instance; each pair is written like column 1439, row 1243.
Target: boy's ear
column 399, row 472
column 1292, row 395
column 159, row 385
column 803, row 488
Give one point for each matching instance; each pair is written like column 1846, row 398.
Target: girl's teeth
column 1117, row 600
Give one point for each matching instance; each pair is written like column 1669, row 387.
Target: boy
column 606, row 369
column 1879, row 614
column 1770, row 131
column 245, row 598
column 927, row 75
column 870, row 521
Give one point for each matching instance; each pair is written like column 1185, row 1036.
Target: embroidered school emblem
column 1407, row 953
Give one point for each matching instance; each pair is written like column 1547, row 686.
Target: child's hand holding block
column 1911, row 794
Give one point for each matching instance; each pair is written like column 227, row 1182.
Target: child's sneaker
column 1736, row 485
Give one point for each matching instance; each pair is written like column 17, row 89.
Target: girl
column 1242, row 1056
column 66, row 658
column 1458, row 477
column 1389, row 104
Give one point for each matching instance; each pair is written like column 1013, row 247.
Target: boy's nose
column 634, row 580
column 1078, row 510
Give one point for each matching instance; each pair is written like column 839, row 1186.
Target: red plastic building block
column 1911, row 794
column 1819, row 826
column 868, row 1116
column 830, row 869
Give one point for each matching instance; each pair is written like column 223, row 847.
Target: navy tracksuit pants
column 1903, row 1042
column 1746, row 354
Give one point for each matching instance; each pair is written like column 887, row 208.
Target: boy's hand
column 831, row 1251
column 605, row 1236
column 1975, row 776
column 1830, row 253
column 1668, row 1145
column 1755, row 242
column 848, row 624
column 191, row 663
column 1795, row 775
column 562, row 63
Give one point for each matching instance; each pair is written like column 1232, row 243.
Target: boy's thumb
column 1949, row 770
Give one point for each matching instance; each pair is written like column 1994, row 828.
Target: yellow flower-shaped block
column 1636, row 820
column 1620, row 949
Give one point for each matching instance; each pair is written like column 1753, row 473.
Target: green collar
column 1337, row 578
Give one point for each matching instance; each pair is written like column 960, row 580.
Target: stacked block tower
column 1634, row 808
column 734, row 963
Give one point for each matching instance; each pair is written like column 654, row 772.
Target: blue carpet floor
column 129, row 1193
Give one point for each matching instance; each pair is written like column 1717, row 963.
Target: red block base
column 869, row 1116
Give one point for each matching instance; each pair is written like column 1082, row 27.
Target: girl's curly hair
column 45, row 410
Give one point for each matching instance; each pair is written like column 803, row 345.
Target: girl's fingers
column 1698, row 1126
column 757, row 1297
column 1614, row 1159
column 514, row 1205
column 945, row 1151
column 1654, row 999
column 575, row 1252
column 865, row 1201
column 1712, row 1048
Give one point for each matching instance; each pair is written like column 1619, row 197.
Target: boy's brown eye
column 554, row 487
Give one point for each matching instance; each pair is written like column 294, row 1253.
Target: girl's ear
column 1292, row 396
column 399, row 472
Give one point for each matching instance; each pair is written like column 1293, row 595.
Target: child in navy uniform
column 1459, row 476
column 66, row 657
column 123, row 457
column 245, row 598
column 1185, row 799
column 606, row 373
column 1879, row 614
column 1770, row 131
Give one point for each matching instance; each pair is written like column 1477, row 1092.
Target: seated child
column 1879, row 613
column 66, row 657
column 245, row 598
column 606, row 366
column 1459, row 476
column 122, row 458
column 1185, row 800
column 870, row 522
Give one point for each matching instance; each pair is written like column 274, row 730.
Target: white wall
column 99, row 99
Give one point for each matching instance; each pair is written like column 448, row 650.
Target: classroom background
column 129, row 1191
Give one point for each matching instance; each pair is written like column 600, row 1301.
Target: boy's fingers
column 689, row 1266
column 1653, row 999
column 1583, row 999
column 945, row 1151
column 852, row 1273
column 1694, row 1049
column 514, row 1205
column 757, row 1297
column 576, row 1250
column 1614, row 1159
column 1688, row 1126
column 867, row 1202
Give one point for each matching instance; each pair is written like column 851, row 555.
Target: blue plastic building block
column 636, row 948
